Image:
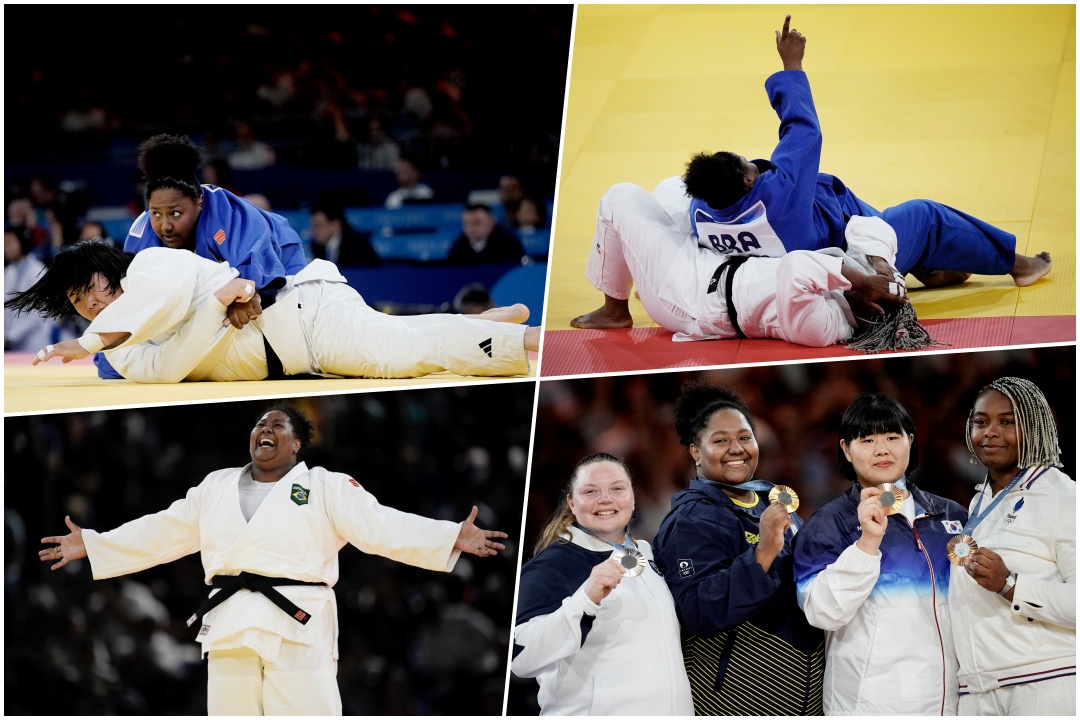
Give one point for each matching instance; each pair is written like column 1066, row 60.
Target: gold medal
column 892, row 499
column 632, row 561
column 785, row 496
column 960, row 548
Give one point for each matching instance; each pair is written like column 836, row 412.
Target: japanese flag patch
column 953, row 527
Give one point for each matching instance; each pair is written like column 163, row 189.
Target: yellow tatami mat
column 53, row 386
column 972, row 106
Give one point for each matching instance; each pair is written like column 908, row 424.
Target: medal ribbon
column 754, row 485
column 976, row 517
column 628, row 544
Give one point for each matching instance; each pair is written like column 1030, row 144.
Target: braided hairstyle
column 697, row 403
column 171, row 161
column 557, row 525
column 898, row 329
column 1037, row 435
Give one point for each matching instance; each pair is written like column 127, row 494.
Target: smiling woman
column 272, row 649
column 725, row 550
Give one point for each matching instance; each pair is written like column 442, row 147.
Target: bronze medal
column 892, row 499
column 961, row 548
column 785, row 496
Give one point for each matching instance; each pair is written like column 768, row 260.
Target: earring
column 973, row 460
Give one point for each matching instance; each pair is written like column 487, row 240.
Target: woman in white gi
column 160, row 316
column 595, row 623
column 1013, row 601
column 269, row 535
column 876, row 579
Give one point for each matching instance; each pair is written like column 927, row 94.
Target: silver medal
column 631, row 560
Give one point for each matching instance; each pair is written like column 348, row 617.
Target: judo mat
column 54, row 387
column 973, row 106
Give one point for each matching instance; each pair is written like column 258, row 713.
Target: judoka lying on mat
column 160, row 317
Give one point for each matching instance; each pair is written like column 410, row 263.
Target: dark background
column 797, row 410
column 411, row 641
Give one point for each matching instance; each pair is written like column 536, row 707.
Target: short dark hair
column 873, row 414
column 472, row 207
column 332, row 209
column 25, row 236
column 716, row 178
column 697, row 403
column 303, row 429
column 72, row 271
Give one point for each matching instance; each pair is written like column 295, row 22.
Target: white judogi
column 632, row 663
column 797, row 297
column 318, row 325
column 1019, row 657
column 296, row 533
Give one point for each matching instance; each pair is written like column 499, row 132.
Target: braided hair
column 171, row 161
column 1037, row 435
column 898, row 329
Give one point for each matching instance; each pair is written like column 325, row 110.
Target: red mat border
column 588, row 352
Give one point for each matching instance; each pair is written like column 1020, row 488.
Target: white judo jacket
column 296, row 533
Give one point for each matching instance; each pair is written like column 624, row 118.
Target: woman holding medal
column 725, row 550
column 1013, row 592
column 872, row 572
column 595, row 623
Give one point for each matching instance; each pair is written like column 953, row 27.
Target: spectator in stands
column 530, row 215
column 334, row 239
column 381, row 151
column 510, row 195
column 483, row 241
column 260, row 201
column 93, row 229
column 410, row 188
column 250, row 153
column 27, row 332
column 473, row 299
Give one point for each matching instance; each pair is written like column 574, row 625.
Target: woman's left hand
column 477, row 541
column 988, row 569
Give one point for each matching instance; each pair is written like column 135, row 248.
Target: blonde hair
column 1037, row 436
column 557, row 527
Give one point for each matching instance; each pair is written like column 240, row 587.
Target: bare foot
column 603, row 318
column 940, row 278
column 516, row 313
column 1027, row 270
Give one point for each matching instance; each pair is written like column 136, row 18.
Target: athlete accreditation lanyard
column 976, row 517
column 631, row 559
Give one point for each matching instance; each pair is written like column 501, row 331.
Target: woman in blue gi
column 269, row 534
column 876, row 582
column 211, row 222
column 770, row 207
column 726, row 555
column 595, row 623
column 1013, row 602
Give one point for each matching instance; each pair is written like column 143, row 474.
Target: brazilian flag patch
column 300, row 495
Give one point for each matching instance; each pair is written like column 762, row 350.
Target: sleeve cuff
column 587, row 606
column 92, row 342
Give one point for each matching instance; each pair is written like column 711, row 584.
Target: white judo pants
column 300, row 680
column 1056, row 696
column 797, row 297
column 347, row 337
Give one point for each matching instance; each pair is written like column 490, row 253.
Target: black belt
column 731, row 265
column 276, row 371
column 229, row 585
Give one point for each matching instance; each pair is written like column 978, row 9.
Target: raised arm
column 791, row 45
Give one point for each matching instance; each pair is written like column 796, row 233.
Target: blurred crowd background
column 797, row 410
column 412, row 642
column 322, row 114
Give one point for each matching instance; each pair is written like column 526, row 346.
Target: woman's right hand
column 243, row 303
column 872, row 520
column 772, row 525
column 603, row 579
column 791, row 45
column 70, row 546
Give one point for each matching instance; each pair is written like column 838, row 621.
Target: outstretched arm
column 478, row 541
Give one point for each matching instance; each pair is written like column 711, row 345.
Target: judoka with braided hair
column 1013, row 601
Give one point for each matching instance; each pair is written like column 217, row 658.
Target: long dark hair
column 72, row 273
